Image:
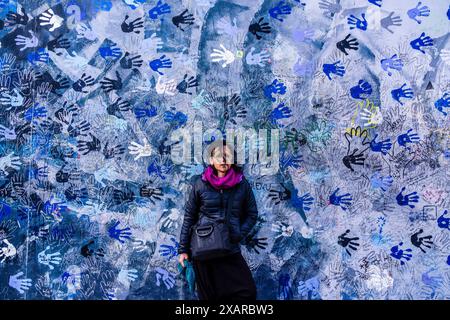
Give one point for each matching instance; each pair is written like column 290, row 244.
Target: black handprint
column 351, row 44
column 259, row 27
column 151, row 193
column 421, row 241
column 121, row 196
column 186, row 84
column 83, row 82
column 232, row 109
column 279, row 196
column 350, row 242
column 110, row 153
column 253, row 243
column 78, row 129
column 58, row 43
column 118, row 106
column 16, row 18
column 183, row 18
column 132, row 26
column 355, row 159
column 111, row 84
column 65, row 112
column 87, row 146
column 128, row 63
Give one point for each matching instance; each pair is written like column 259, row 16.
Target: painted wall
column 90, row 91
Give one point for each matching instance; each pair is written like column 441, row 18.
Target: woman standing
column 228, row 277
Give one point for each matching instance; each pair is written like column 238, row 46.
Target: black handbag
column 210, row 238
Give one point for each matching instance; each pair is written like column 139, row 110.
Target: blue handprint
column 134, row 4
column 376, row 2
column 284, row 287
column 290, row 160
column 110, row 51
column 302, row 203
column 309, row 289
column 169, row 251
column 35, row 112
column 418, row 12
column 280, row 112
column 406, row 138
column 5, row 210
column 405, row 200
column 145, row 112
column 102, row 5
column 400, row 254
column 177, row 119
column 159, row 9
column 280, row 9
column 392, row 63
column 343, row 201
column 333, row 68
column 155, row 168
column 422, row 41
column 363, row 87
column 274, row 87
column 402, row 92
column 55, row 208
column 119, row 234
column 160, row 63
column 380, row 146
column 355, row 22
column 378, row 181
column 39, row 56
column 442, row 103
column 443, row 222
column 448, row 13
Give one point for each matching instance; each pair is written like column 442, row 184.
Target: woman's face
column 221, row 159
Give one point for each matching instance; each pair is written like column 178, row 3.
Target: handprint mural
column 91, row 201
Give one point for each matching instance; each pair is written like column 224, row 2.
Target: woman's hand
column 182, row 257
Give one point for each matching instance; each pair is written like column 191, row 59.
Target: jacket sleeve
column 191, row 209
column 251, row 212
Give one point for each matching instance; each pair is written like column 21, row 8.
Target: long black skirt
column 224, row 278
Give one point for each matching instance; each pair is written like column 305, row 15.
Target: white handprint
column 282, row 229
column 50, row 18
column 167, row 278
column 257, row 58
column 140, row 150
column 49, row 259
column 167, row 87
column 7, row 134
column 31, row 42
column 15, row 100
column 10, row 161
column 7, row 252
column 372, row 117
column 225, row 55
column 127, row 275
column 171, row 219
column 20, row 285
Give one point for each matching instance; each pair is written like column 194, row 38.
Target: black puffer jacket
column 204, row 199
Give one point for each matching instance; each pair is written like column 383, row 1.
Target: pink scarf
column 231, row 178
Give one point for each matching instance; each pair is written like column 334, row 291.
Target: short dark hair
column 233, row 165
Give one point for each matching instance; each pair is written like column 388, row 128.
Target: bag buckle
column 204, row 231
